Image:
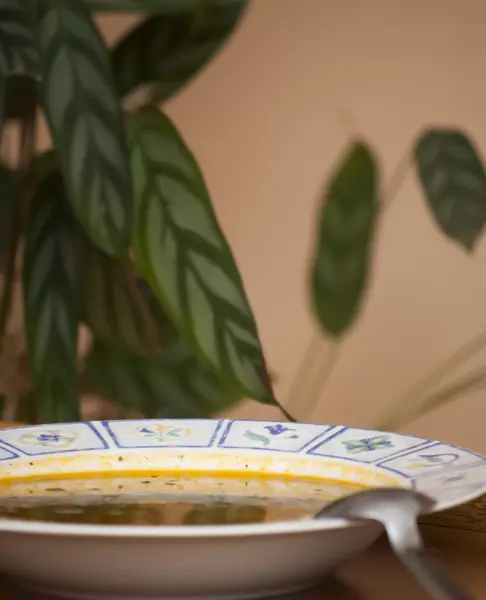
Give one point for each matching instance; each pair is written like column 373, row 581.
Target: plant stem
column 397, row 179
column 304, row 369
column 320, row 381
column 27, row 152
column 306, row 366
column 476, row 379
column 400, row 413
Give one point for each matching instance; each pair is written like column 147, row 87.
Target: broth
column 169, row 501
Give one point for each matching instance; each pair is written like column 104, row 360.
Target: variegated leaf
column 182, row 252
column 171, row 383
column 168, row 50
column 50, row 302
column 86, row 123
column 32, row 9
column 18, row 47
column 113, row 306
column 339, row 272
column 454, row 181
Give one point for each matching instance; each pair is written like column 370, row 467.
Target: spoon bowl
column 397, row 510
column 372, row 502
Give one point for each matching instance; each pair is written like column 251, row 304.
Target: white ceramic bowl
column 210, row 562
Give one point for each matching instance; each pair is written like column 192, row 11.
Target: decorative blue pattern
column 365, row 446
column 49, row 439
column 171, row 433
column 7, row 454
column 262, row 435
column 446, row 472
column 279, row 429
column 377, row 442
column 430, row 459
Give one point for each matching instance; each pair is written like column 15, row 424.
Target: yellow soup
column 162, row 500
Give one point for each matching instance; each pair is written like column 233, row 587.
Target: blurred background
column 267, row 120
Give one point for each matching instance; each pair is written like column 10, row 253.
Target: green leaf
column 182, row 252
column 19, row 60
column 86, row 123
column 32, row 9
column 171, row 383
column 18, row 49
column 454, row 181
column 50, row 302
column 112, row 304
column 166, row 7
column 339, row 272
column 168, row 50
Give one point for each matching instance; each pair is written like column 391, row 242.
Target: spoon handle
column 433, row 577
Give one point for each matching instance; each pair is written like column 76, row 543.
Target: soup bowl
column 235, row 459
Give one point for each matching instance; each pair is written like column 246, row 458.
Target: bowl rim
column 297, row 526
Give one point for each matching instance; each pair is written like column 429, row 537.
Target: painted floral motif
column 278, row 430
column 447, row 473
column 433, row 460
column 163, row 433
column 49, row 438
column 256, row 437
column 287, row 433
column 377, row 442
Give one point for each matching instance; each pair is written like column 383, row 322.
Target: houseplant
column 450, row 171
column 113, row 228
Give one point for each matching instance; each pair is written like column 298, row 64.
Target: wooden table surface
column 376, row 575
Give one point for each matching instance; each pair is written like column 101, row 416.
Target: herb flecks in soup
column 162, row 500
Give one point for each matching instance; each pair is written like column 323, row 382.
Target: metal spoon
column 397, row 510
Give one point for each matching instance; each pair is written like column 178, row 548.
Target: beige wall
column 264, row 121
